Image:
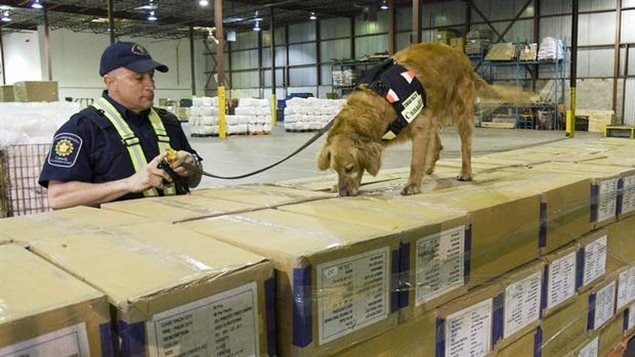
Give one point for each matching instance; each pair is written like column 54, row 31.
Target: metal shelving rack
column 358, row 67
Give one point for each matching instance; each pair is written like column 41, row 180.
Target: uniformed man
column 112, row 149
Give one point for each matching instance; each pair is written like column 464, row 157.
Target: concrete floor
column 242, row 154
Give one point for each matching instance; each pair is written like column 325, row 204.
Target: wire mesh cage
column 20, row 167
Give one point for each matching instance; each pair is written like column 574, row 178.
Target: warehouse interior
column 534, row 255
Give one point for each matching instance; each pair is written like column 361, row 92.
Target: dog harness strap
column 400, row 87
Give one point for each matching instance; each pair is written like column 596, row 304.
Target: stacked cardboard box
column 46, row 311
column 334, row 278
column 6, row 93
column 501, row 52
column 171, row 291
column 35, row 91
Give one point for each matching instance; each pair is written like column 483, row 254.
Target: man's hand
column 183, row 157
column 193, row 176
column 150, row 176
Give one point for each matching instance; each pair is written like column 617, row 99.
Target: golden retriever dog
column 354, row 142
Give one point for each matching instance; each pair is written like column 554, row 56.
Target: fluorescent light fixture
column 36, row 4
column 256, row 26
column 5, row 16
column 203, row 2
column 152, row 16
column 312, row 17
column 384, row 5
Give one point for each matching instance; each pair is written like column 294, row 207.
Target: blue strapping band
column 542, row 238
column 625, row 323
column 404, row 274
column 589, row 325
column 440, row 337
column 107, row 340
column 133, row 339
column 395, row 286
column 538, row 342
column 302, row 319
column 498, row 319
column 579, row 269
column 594, row 203
column 543, row 290
column 620, row 196
column 467, row 262
column 270, row 316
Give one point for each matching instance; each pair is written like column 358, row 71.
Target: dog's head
column 349, row 156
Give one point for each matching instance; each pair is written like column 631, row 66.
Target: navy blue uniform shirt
column 88, row 148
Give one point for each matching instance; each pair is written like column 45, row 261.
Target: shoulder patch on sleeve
column 66, row 147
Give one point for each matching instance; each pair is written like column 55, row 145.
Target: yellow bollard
column 274, row 111
column 221, row 113
column 569, row 125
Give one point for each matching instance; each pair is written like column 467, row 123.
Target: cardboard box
column 471, row 324
column 171, row 290
column 528, row 52
column 334, row 279
column 590, row 347
column 621, row 247
column 592, row 258
column 566, row 328
column 45, row 309
column 565, row 205
column 522, row 294
column 605, row 187
column 411, row 339
column 601, row 304
column 501, row 52
column 625, row 287
column 434, row 261
column 611, row 335
column 561, row 278
column 505, row 226
column 328, row 183
column 213, row 202
column 6, row 93
column 75, row 220
column 523, row 346
column 35, row 91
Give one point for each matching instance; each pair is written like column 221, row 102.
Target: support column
column 616, row 55
column 415, row 37
column 391, row 27
column 192, row 61
column 111, row 20
column 570, row 121
column 272, row 56
column 220, row 60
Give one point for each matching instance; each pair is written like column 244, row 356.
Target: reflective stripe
column 131, row 141
column 389, row 135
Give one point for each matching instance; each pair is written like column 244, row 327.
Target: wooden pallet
column 620, row 131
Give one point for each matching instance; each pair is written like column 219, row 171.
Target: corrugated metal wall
column 595, row 29
column 629, row 104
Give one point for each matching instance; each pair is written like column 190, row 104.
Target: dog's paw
column 410, row 190
column 464, row 178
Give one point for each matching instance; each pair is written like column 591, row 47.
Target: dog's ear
column 373, row 154
column 324, row 159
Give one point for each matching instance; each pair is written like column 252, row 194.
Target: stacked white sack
column 33, row 123
column 550, row 49
column 310, row 114
column 255, row 114
column 204, row 116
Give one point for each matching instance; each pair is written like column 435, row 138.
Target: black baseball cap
column 130, row 55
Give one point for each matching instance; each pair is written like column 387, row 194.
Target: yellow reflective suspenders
column 131, row 141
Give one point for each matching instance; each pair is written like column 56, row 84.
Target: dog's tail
column 507, row 94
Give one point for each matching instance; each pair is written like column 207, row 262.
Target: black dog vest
column 399, row 87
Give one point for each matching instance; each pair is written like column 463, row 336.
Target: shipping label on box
column 602, row 306
column 440, row 264
column 604, row 200
column 565, row 328
column 628, row 195
column 561, row 280
column 468, row 332
column 471, row 324
column 357, row 293
column 625, row 287
column 591, row 349
column 225, row 324
column 522, row 304
column 629, row 318
column 69, row 341
column 594, row 254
